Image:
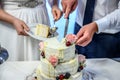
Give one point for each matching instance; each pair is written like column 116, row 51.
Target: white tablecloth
column 102, row 69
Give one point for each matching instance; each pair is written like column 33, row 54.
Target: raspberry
column 61, row 77
column 43, row 54
column 68, row 43
column 81, row 67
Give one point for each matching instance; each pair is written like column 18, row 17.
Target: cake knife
column 66, row 26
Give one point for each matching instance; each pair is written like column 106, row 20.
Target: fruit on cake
column 42, row 30
column 59, row 60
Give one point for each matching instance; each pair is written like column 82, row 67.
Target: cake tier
column 49, row 70
column 41, row 76
column 59, row 49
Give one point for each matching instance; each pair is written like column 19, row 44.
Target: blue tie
column 88, row 16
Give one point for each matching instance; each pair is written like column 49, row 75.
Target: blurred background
column 61, row 23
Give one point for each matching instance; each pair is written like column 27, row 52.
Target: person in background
column 14, row 17
column 97, row 27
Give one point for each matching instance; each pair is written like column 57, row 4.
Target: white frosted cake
column 59, row 61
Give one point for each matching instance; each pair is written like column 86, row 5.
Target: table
column 103, row 69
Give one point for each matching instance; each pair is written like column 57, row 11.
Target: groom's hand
column 68, row 6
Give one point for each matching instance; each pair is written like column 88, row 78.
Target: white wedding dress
column 21, row 47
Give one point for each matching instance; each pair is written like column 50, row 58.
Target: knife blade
column 66, row 26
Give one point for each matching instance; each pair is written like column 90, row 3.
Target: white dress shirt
column 106, row 15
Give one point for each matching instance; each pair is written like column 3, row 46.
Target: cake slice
column 42, row 30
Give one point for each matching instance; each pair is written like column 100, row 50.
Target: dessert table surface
column 100, row 69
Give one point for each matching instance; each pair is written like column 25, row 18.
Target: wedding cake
column 59, row 60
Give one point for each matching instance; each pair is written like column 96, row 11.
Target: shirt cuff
column 102, row 24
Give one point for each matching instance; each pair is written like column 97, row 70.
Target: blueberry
column 57, row 78
column 67, row 75
column 78, row 70
column 35, row 77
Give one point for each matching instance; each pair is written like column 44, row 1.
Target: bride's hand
column 57, row 13
column 20, row 27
